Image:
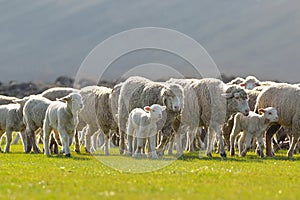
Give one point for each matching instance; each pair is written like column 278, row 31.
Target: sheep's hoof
column 86, row 150
column 232, row 153
column 290, row 154
column 209, row 155
column 243, row 154
column 262, row 156
column 77, row 150
column 68, row 155
column 223, row 155
column 128, row 153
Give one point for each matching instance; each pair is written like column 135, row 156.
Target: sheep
column 97, row 115
column 33, row 116
column 250, row 82
column 285, row 98
column 57, row 92
column 209, row 103
column 227, row 127
column 253, row 125
column 138, row 92
column 236, row 81
column 62, row 115
column 7, row 100
column 11, row 119
column 142, row 125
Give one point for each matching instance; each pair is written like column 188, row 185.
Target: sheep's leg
column 36, row 148
column 77, row 143
column 260, row 142
column 8, row 139
column 106, row 142
column 130, row 134
column 90, row 131
column 152, row 143
column 294, row 141
column 210, row 141
column 247, row 145
column 171, row 145
column 233, row 135
column 65, row 143
column 221, row 142
column 23, row 136
column 16, row 140
column 46, row 135
column 140, row 144
column 269, row 135
column 1, row 134
column 241, row 142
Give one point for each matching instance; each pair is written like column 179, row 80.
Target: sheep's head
column 250, row 83
column 237, row 100
column 170, row 100
column 74, row 100
column 269, row 113
column 155, row 111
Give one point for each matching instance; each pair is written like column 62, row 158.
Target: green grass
column 83, row 176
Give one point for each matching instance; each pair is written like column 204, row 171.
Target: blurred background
column 43, row 41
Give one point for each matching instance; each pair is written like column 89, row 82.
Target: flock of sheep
column 144, row 117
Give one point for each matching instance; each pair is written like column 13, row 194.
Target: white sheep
column 209, row 103
column 57, row 92
column 7, row 100
column 142, row 125
column 96, row 115
column 286, row 99
column 236, row 81
column 253, row 126
column 138, row 92
column 33, row 116
column 250, row 82
column 62, row 115
column 11, row 119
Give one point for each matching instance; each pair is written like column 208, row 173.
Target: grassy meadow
column 84, row 176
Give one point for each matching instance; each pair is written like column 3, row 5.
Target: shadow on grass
column 251, row 157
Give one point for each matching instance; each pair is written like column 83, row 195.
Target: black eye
column 237, row 97
column 270, row 113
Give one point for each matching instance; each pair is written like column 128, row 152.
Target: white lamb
column 142, row 125
column 62, row 115
column 253, row 125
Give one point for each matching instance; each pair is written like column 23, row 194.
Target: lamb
column 253, row 125
column 209, row 103
column 57, row 92
column 286, row 99
column 142, row 125
column 62, row 115
column 11, row 119
column 138, row 92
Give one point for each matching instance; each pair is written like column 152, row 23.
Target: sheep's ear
column 64, row 99
column 261, row 110
column 242, row 84
column 163, row 107
column 147, row 108
column 227, row 95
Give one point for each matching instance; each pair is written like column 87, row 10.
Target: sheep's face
column 237, row 101
column 250, row 83
column 270, row 114
column 171, row 101
column 77, row 103
column 155, row 111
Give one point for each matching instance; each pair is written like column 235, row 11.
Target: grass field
column 83, row 176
